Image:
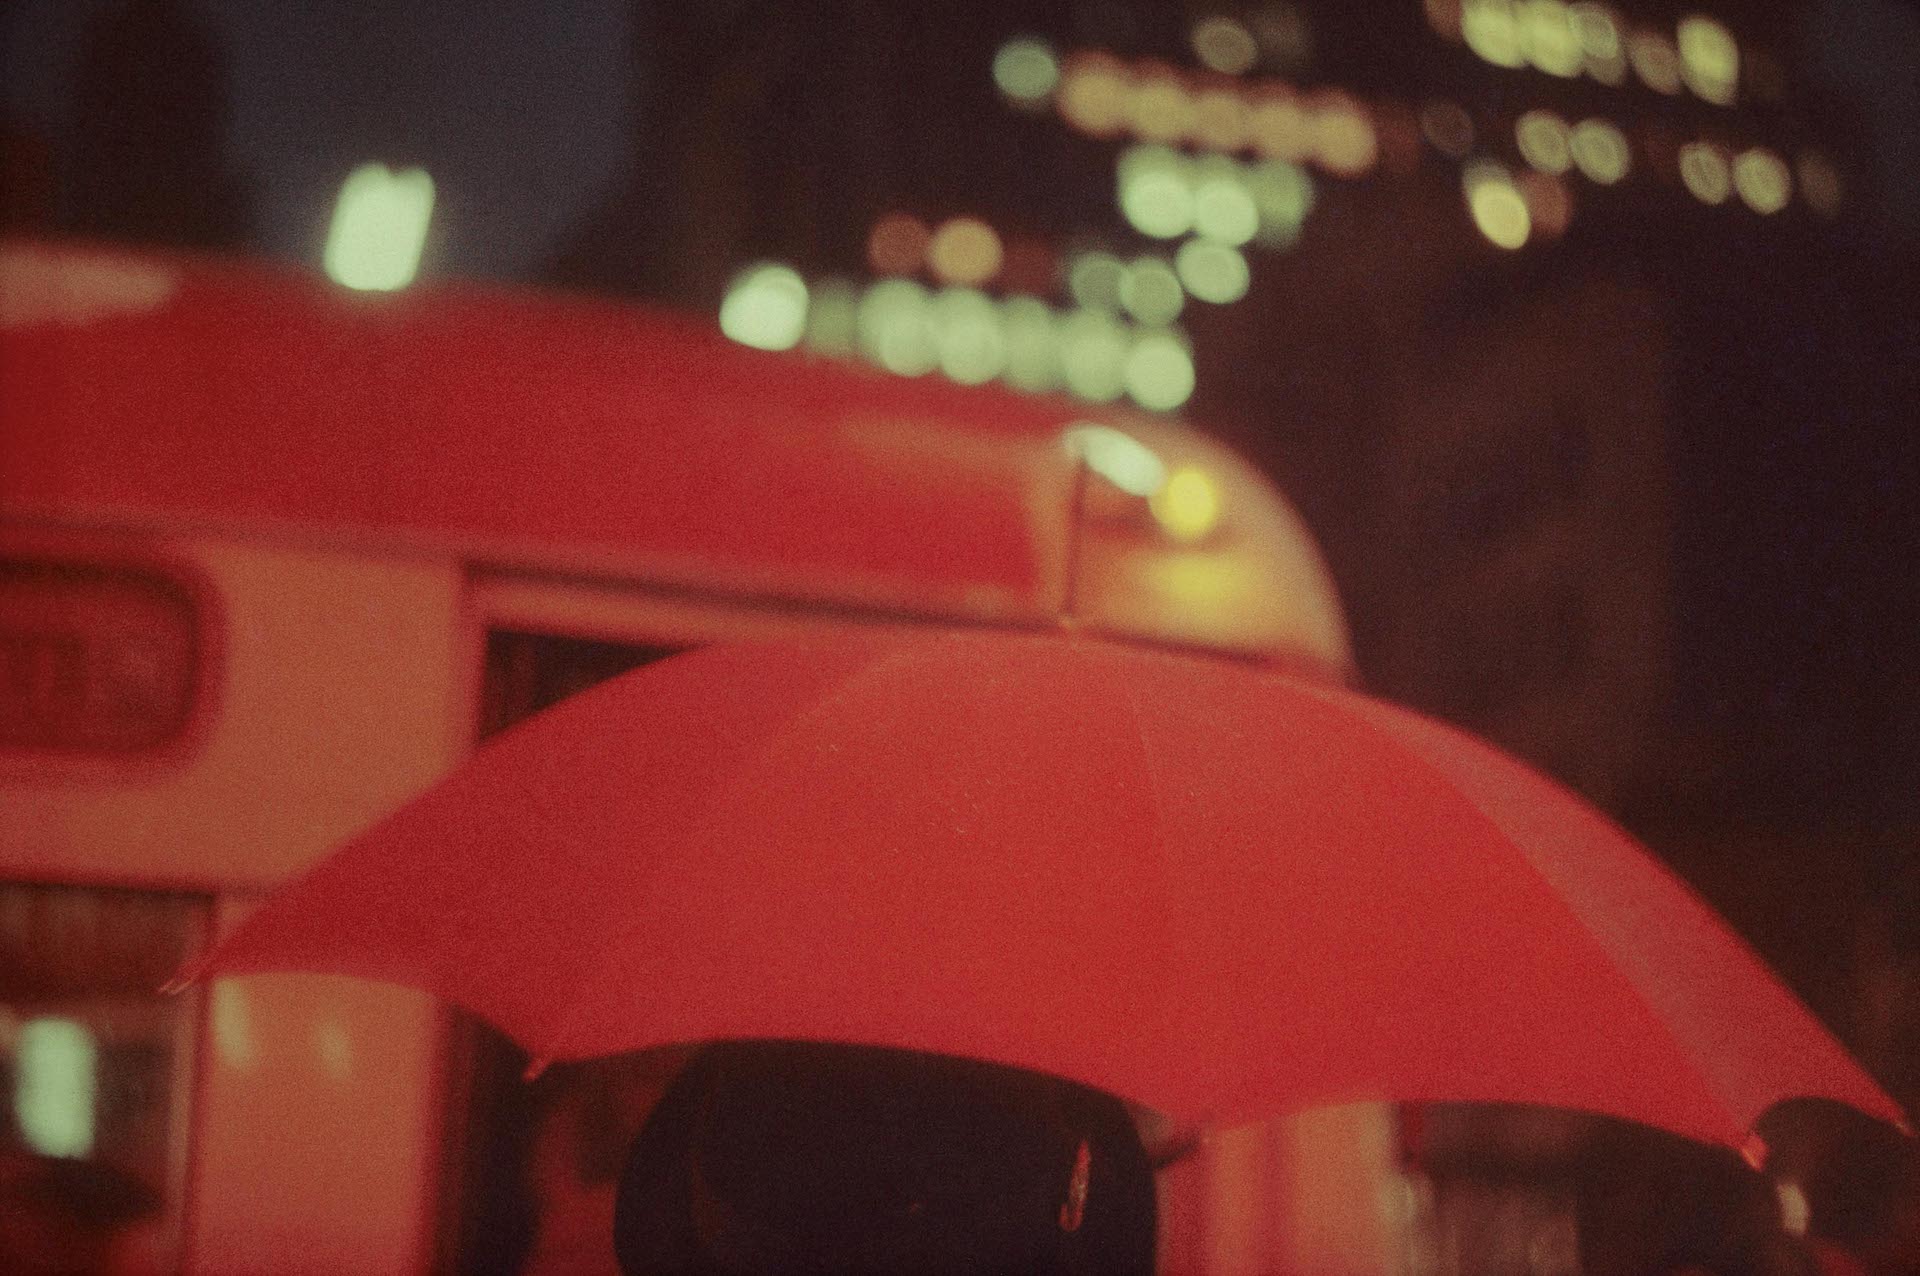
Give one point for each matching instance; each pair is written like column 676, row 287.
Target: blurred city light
column 833, row 308
column 1448, row 128
column 1492, row 32
column 1280, row 127
column 1151, row 292
column 1159, row 371
column 1026, row 70
column 1188, row 505
column 55, row 1061
column 1545, row 141
column 1212, row 272
column 1093, row 355
column 1224, row 45
column 1223, row 119
column 1116, row 456
column 964, row 250
column 1709, row 59
column 1548, row 36
column 1344, row 140
column 1599, row 36
column 1093, row 94
column 766, row 307
column 379, row 228
column 1498, row 208
column 1763, row 180
column 1600, row 151
column 1655, row 61
column 973, row 349
column 1154, row 195
column 1160, row 109
column 1033, row 348
column 1094, row 279
column 1283, row 194
column 1223, row 208
column 897, row 244
column 1819, row 183
column 1703, row 167
column 1549, row 204
column 895, row 327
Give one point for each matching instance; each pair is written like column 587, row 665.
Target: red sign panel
column 95, row 658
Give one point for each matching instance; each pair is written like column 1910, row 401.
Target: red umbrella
column 1210, row 889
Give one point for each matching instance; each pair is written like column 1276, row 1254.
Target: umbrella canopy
column 1205, row 887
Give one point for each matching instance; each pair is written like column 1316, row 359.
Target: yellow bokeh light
column 1280, row 127
column 1545, row 141
column 897, row 244
column 1548, row 36
column 1492, row 30
column 1709, row 59
column 1600, row 151
column 1283, row 193
column 1224, row 45
column 1093, row 355
column 1222, row 119
column 379, row 228
column 1188, row 505
column 1763, row 180
column 1655, row 61
column 833, row 308
column 1160, row 109
column 1704, row 169
column 1549, row 205
column 1498, row 208
column 1033, row 346
column 1026, row 70
column 964, row 251
column 1159, row 372
column 1094, row 280
column 1212, row 272
column 1344, row 140
column 1599, row 35
column 766, row 307
column 1151, row 291
column 972, row 346
column 1093, row 94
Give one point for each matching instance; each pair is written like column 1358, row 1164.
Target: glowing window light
column 1116, row 456
column 1154, row 195
column 1654, row 61
column 1026, row 70
column 1093, row 355
column 1549, row 205
column 833, row 309
column 964, row 251
column 1160, row 109
column 765, row 307
column 1491, row 30
column 1704, row 170
column 1212, row 272
column 1545, row 141
column 1159, row 372
column 1709, row 59
column 1600, row 151
column 1093, row 94
column 1094, row 280
column 1033, row 349
column 1796, row 1212
column 1151, row 291
column 1344, row 140
column 896, row 329
column 973, row 349
column 1547, row 34
column 1283, row 194
column 1819, row 183
column 1222, row 121
column 1448, row 128
column 1763, row 180
column 1224, row 45
column 1280, row 127
column 1188, row 505
column 897, row 244
column 1498, row 209
column 379, row 228
column 55, row 1062
column 1223, row 208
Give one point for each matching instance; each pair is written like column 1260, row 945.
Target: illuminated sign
column 96, row 658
